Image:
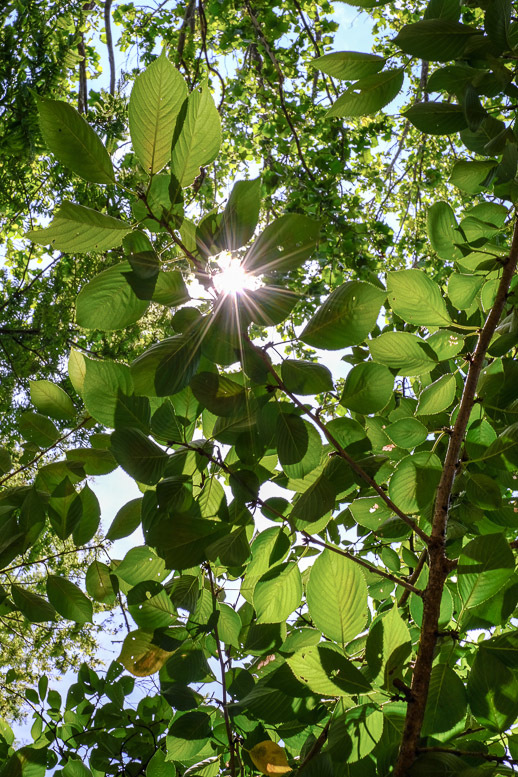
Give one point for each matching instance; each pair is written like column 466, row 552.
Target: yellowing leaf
column 269, row 758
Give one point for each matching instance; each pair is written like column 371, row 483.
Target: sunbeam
column 231, row 277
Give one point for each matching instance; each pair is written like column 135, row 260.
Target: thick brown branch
column 439, row 564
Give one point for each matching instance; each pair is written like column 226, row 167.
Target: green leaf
column 140, row 564
column 497, row 23
column 90, row 518
column 196, row 139
column 443, row 232
column 438, row 396
column 349, row 64
column 368, row 95
column 278, row 593
column 241, row 214
column 269, row 305
column 412, row 486
column 35, row 608
column 387, row 648
column 471, row 177
column 404, row 352
column 446, row 704
column 407, row 432
column 140, row 655
column 38, row 429
column 442, row 9
column 284, row 245
column 5, row 461
column 108, row 301
column 368, row 388
column 492, row 692
column 69, row 600
column 219, row 394
column 311, row 459
column 73, row 141
column 302, row 377
column 155, row 103
column 417, row 299
column 104, row 382
column 167, row 367
column 437, row 118
column 126, row 520
column 80, row 230
column 485, row 565
column 189, row 539
column 463, row 290
column 292, row 438
column 346, row 317
column 437, row 40
column 325, row 670
column 337, row 597
column 229, row 625
column 138, row 455
column 170, row 289
column 51, row 399
column 98, row 583
column 150, row 606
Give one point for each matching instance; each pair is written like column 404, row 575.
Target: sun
column 231, row 277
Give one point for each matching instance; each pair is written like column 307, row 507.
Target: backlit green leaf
column 413, row 484
column 108, row 301
column 79, row 229
column 368, row 387
column 404, row 352
column 346, row 317
column 69, row 600
column 485, row 565
column 416, row 298
column 156, row 100
column 51, row 399
column 278, row 593
column 368, row 95
column 349, row 64
column 138, row 455
column 438, row 40
column 73, row 141
column 197, row 140
column 438, row 396
column 337, row 597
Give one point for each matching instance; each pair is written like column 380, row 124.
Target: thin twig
column 340, row 450
column 387, row 575
column 280, row 77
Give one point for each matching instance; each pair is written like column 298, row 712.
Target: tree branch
column 109, row 42
column 387, row 575
column 439, row 565
column 280, row 76
column 343, row 453
column 224, row 695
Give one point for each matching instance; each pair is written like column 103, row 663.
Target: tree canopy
column 274, row 282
